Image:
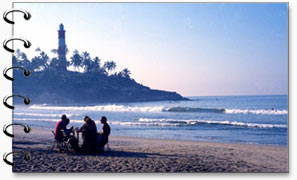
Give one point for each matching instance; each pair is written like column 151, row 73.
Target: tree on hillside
column 54, row 64
column 22, row 59
column 40, row 62
column 95, row 65
column 125, row 73
column 109, row 66
column 86, row 61
column 36, row 63
column 76, row 59
column 45, row 60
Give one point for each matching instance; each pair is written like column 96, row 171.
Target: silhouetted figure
column 103, row 135
column 61, row 125
column 89, row 135
column 61, row 131
column 67, row 132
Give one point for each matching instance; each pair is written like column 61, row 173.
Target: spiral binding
column 27, row 129
column 27, row 44
column 27, row 100
column 27, row 15
column 27, row 157
column 26, row 72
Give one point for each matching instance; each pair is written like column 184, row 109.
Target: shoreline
column 129, row 154
column 189, row 141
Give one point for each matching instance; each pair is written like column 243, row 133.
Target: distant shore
column 148, row 155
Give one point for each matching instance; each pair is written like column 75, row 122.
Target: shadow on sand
column 41, row 148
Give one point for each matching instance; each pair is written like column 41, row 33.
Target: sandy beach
column 148, row 155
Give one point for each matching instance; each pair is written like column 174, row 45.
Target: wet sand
column 147, row 155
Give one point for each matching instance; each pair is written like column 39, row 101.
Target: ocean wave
column 197, row 121
column 32, row 119
column 227, row 111
column 44, row 115
column 156, row 109
column 48, row 120
column 259, row 111
column 113, row 108
column 167, row 122
column 191, row 109
column 144, row 123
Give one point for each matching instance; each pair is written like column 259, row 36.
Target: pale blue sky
column 191, row 48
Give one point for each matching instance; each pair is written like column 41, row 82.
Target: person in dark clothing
column 67, row 132
column 103, row 135
column 89, row 135
column 61, row 125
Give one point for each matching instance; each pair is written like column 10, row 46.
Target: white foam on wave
column 48, row 120
column 113, row 108
column 144, row 123
column 32, row 119
column 197, row 121
column 259, row 111
column 167, row 122
column 122, row 108
column 44, row 115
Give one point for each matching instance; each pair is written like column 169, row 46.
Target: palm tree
column 86, row 61
column 54, row 64
column 36, row 63
column 22, row 59
column 44, row 60
column 76, row 59
column 125, row 73
column 110, row 66
column 95, row 64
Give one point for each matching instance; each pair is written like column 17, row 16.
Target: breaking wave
column 115, row 108
column 44, row 115
column 169, row 122
column 47, row 120
column 176, row 122
column 177, row 109
column 144, row 123
column 227, row 111
column 260, row 111
column 190, row 109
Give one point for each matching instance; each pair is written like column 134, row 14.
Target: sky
column 195, row 49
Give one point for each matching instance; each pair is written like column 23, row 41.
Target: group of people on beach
column 92, row 140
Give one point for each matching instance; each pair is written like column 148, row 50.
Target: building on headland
column 62, row 49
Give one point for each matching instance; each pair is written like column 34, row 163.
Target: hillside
column 54, row 87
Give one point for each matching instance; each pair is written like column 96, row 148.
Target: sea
column 225, row 119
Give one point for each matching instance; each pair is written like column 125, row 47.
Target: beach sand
column 147, row 155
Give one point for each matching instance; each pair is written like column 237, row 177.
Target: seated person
column 103, row 135
column 61, row 125
column 67, row 131
column 89, row 135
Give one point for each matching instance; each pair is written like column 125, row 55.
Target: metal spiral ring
column 27, row 43
column 27, row 157
column 27, row 15
column 27, row 129
column 27, row 100
column 26, row 72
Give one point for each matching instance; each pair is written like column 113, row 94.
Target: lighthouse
column 62, row 49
